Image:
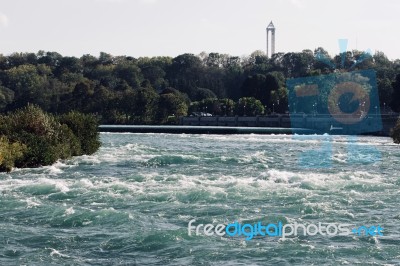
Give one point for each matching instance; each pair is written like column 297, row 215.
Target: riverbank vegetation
column 151, row 90
column 157, row 90
column 29, row 137
column 395, row 133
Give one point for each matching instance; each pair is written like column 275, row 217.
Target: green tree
column 184, row 73
column 260, row 87
column 202, row 93
column 9, row 153
column 130, row 73
column 323, row 63
column 227, row 106
column 6, row 97
column 249, row 106
column 395, row 103
column 30, row 85
column 50, row 59
column 84, row 127
column 171, row 104
column 211, row 106
column 81, row 96
column 145, row 106
column 279, row 100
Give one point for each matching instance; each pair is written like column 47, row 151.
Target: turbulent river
column 130, row 203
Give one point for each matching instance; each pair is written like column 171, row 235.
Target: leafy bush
column 66, row 135
column 37, row 138
column 84, row 127
column 9, row 152
column 395, row 132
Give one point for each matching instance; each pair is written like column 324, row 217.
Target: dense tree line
column 123, row 89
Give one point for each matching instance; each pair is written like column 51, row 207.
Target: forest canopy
column 151, row 90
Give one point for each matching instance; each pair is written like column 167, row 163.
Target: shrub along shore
column 29, row 137
column 395, row 132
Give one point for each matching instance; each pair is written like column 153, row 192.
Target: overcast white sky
column 172, row 27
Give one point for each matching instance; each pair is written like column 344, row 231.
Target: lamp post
column 244, row 110
column 273, row 108
column 362, row 109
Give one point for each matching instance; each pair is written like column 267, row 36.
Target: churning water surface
column 130, row 203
